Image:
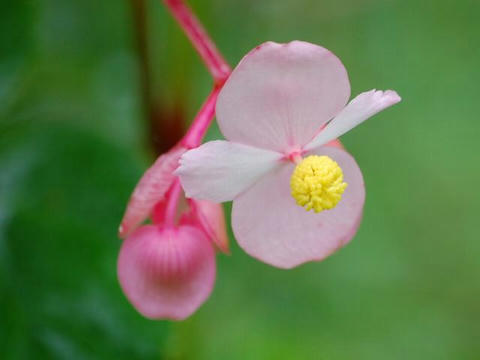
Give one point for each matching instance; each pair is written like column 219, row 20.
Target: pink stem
column 207, row 50
column 220, row 71
column 199, row 127
column 171, row 208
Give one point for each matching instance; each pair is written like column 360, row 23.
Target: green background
column 73, row 143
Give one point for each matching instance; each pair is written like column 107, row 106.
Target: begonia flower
column 280, row 111
column 167, row 269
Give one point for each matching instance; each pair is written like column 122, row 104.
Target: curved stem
column 199, row 127
column 214, row 61
column 171, row 208
column 205, row 47
column 220, row 71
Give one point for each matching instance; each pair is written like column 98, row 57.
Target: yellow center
column 317, row 183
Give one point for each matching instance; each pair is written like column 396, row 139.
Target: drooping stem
column 205, row 47
column 219, row 70
column 172, row 201
column 214, row 61
column 199, row 127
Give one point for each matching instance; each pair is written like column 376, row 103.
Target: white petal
column 358, row 110
column 220, row 170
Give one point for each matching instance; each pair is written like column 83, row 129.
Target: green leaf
column 63, row 193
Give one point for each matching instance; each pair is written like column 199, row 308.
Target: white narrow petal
column 280, row 95
column 220, row 170
column 358, row 110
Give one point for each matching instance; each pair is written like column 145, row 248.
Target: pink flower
column 167, row 270
column 281, row 105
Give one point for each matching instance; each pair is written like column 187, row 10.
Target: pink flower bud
column 167, row 272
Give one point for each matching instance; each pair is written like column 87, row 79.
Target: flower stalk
column 199, row 127
column 214, row 61
column 200, row 40
column 172, row 204
column 167, row 269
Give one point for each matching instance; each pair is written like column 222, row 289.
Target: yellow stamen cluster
column 317, row 183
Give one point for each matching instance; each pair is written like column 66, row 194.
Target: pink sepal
column 211, row 218
column 150, row 190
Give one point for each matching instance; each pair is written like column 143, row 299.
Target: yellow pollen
column 317, row 183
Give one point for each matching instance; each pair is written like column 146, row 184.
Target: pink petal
column 280, row 95
column 166, row 273
column 219, row 170
column 358, row 110
column 269, row 226
column 150, row 190
column 212, row 219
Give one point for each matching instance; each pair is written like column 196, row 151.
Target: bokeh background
column 76, row 133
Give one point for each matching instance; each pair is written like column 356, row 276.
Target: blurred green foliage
column 72, row 146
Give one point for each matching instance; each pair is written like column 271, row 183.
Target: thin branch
column 205, row 47
column 205, row 115
column 172, row 203
column 214, row 61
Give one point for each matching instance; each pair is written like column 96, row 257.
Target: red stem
column 205, row 47
column 199, row 127
column 220, row 71
column 214, row 61
column 172, row 201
